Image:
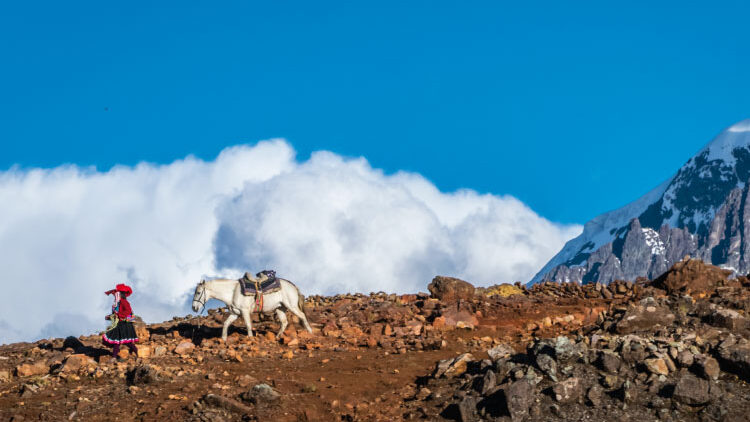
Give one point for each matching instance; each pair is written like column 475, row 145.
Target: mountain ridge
column 688, row 201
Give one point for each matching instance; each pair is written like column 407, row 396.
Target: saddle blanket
column 268, row 286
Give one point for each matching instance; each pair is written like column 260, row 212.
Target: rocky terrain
column 700, row 211
column 675, row 348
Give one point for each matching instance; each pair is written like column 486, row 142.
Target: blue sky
column 573, row 109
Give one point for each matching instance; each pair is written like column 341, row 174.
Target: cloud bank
column 331, row 224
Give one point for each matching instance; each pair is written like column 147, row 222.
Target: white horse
column 229, row 292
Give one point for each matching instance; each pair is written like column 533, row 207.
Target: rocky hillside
column 673, row 349
column 677, row 351
column 701, row 211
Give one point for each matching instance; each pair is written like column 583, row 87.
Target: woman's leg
column 115, row 350
column 133, row 349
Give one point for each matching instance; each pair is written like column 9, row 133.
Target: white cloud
column 330, row 224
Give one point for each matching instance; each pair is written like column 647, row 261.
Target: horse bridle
column 202, row 296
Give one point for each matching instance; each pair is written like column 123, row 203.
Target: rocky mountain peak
column 700, row 211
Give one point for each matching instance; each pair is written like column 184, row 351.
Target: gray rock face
column 644, row 316
column 692, row 390
column 518, row 398
column 701, row 211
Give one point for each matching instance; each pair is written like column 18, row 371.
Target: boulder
column 450, row 368
column 594, row 395
column 227, row 404
column 143, row 374
column 184, row 348
column 568, row 390
column 77, row 361
column 31, row 369
column 450, row 289
column 736, row 356
column 261, row 393
column 144, row 351
column 609, row 362
column 692, row 276
column 547, row 365
column 728, row 318
column 459, row 318
column 467, row 409
column 501, row 351
column 519, row 396
column 656, row 366
column 565, row 350
column 707, row 367
column 489, row 381
column 691, row 390
column 644, row 316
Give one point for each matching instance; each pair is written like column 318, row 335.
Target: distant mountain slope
column 700, row 211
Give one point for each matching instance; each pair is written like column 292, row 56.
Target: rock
column 467, row 409
column 707, row 367
column 184, row 348
column 565, row 350
column 691, row 390
column 142, row 332
column 609, row 362
column 685, row 358
column 450, row 289
column 518, row 398
column 610, row 381
column 438, row 322
column 226, row 404
column 75, row 362
column 628, row 392
column 459, row 318
column 692, row 276
column 4, row 376
column 728, row 318
column 594, row 395
column 656, row 366
column 247, row 380
column 547, row 365
column 261, row 393
column 31, row 369
column 644, row 316
column 501, row 351
column 450, row 368
column 144, row 351
column 737, row 358
column 143, row 374
column 568, row 390
column 489, row 381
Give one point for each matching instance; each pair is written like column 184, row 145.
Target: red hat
column 124, row 289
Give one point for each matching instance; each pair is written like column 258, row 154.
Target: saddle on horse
column 263, row 283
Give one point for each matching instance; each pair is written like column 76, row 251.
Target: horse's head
column 200, row 297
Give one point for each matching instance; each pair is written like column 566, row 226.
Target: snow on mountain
column 688, row 201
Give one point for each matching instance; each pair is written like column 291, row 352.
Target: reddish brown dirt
column 339, row 380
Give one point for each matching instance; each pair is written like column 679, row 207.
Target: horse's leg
column 301, row 315
column 248, row 321
column 282, row 319
column 230, row 319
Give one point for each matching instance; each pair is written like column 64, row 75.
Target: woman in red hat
column 122, row 330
